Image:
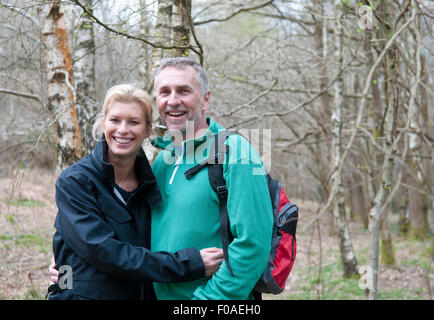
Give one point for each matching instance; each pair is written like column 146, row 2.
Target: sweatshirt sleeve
column 250, row 215
column 80, row 223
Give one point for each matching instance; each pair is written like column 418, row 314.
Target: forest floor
column 27, row 212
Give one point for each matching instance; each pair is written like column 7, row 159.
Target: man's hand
column 54, row 274
column 212, row 259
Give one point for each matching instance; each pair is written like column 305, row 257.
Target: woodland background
column 346, row 88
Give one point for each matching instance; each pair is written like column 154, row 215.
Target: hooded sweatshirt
column 189, row 214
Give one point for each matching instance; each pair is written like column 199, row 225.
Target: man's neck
column 188, row 134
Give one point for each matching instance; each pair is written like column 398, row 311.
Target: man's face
column 178, row 97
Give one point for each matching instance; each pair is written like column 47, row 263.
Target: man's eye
column 114, row 120
column 134, row 122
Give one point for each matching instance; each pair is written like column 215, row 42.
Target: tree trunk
column 321, row 47
column 146, row 79
column 61, row 95
column 348, row 257
column 387, row 253
column 403, row 206
column 389, row 136
column 358, row 205
column 171, row 29
column 417, row 202
column 84, row 78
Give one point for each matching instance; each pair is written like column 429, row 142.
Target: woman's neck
column 125, row 175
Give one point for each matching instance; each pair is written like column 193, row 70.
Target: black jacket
column 104, row 241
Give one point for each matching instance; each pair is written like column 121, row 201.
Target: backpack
column 283, row 243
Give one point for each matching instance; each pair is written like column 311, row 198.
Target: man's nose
column 173, row 99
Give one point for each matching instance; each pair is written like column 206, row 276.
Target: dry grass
column 27, row 212
column 319, row 276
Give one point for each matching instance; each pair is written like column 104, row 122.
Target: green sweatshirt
column 189, row 215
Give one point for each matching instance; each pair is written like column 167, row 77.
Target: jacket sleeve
column 250, row 215
column 83, row 228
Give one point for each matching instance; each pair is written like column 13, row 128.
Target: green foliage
column 331, row 286
column 26, row 240
column 27, row 203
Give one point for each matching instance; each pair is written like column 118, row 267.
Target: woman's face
column 125, row 129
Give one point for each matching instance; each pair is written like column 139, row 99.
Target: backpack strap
column 218, row 184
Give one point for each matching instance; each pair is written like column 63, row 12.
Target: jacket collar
column 165, row 142
column 142, row 166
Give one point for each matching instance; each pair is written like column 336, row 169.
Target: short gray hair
column 181, row 62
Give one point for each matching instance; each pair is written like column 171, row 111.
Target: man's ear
column 206, row 101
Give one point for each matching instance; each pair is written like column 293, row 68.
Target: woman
column 103, row 222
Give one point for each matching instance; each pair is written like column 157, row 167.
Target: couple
column 126, row 231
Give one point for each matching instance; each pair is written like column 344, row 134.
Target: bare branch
column 129, row 36
column 235, row 13
column 21, row 94
column 23, row 12
column 259, row 96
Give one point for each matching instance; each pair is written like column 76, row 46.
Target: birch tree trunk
column 387, row 167
column 171, row 29
column 417, row 202
column 321, row 47
column 349, row 260
column 61, row 95
column 84, row 77
column 146, row 79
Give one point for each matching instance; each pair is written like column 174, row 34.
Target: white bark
column 171, row 29
column 388, row 162
column 84, row 77
column 347, row 253
column 61, row 93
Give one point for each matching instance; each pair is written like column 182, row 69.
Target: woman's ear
column 148, row 130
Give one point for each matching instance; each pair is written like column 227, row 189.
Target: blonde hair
column 122, row 93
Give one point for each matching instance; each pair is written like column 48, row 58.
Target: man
column 189, row 213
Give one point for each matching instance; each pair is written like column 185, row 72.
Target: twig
column 35, row 292
column 21, row 94
column 22, row 12
column 359, row 117
column 320, row 260
column 193, row 33
column 260, row 95
column 235, row 13
column 129, row 36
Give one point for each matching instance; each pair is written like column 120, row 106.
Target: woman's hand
column 212, row 259
column 54, row 273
